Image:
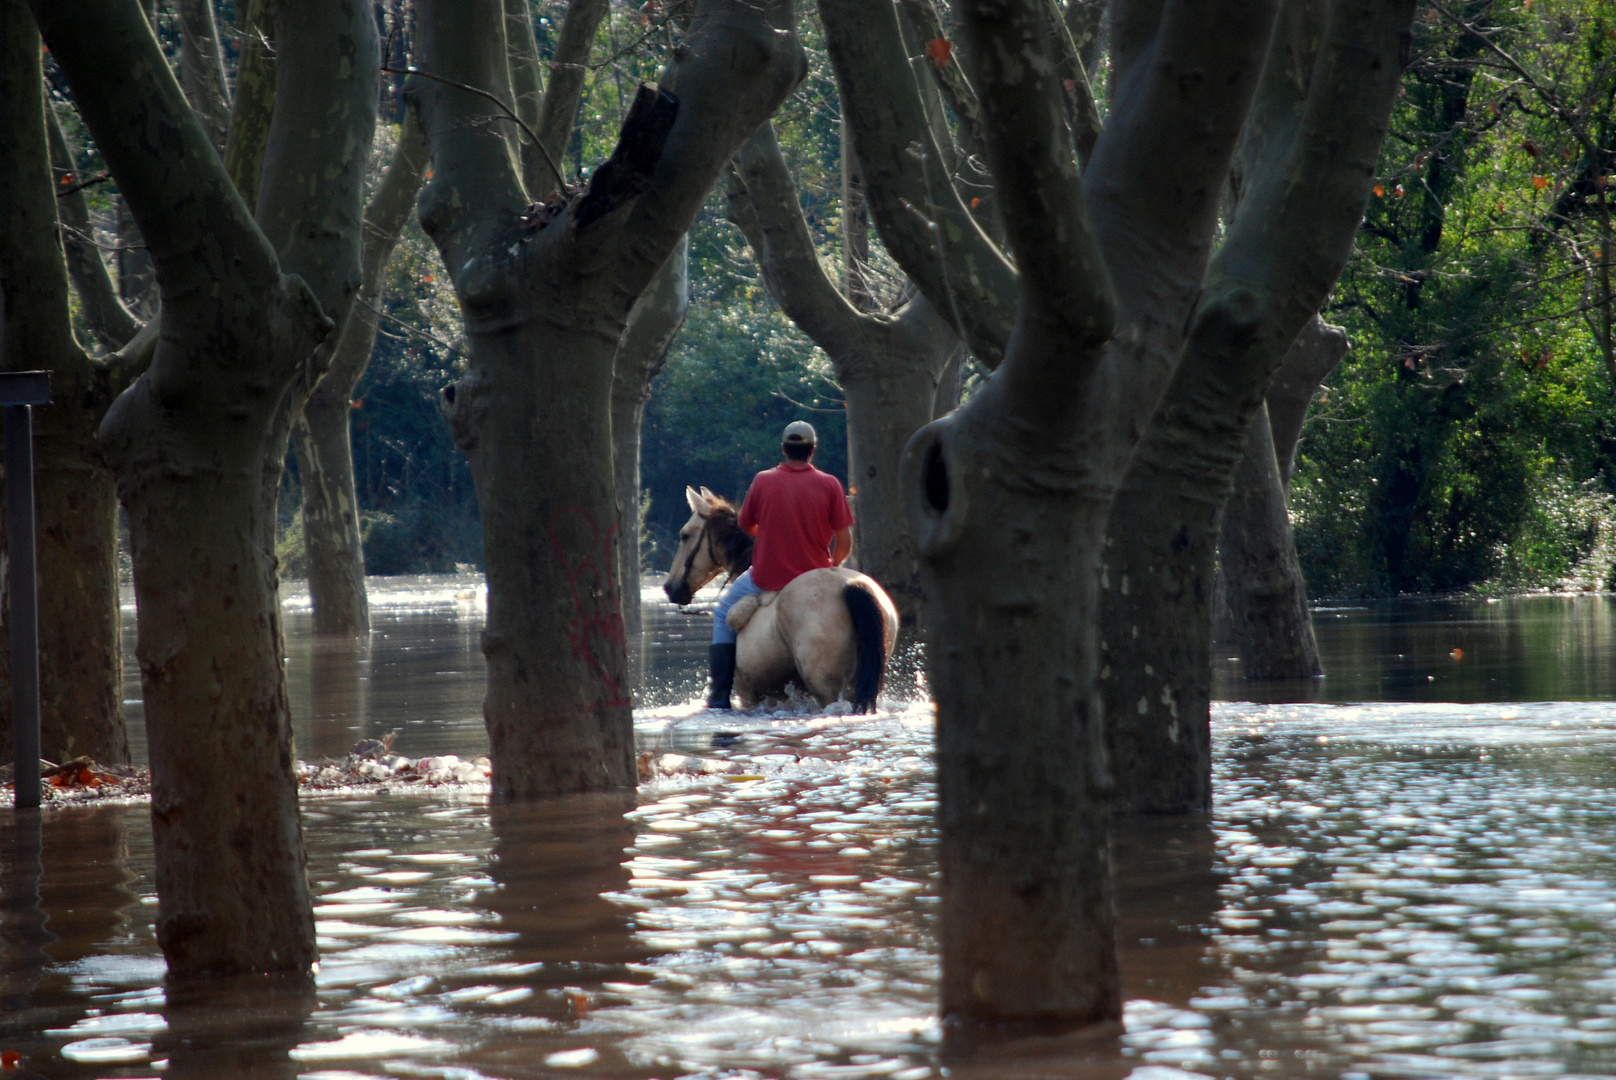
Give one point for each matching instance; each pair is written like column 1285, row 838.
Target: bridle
column 711, row 543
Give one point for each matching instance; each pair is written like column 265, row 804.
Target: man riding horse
column 796, row 513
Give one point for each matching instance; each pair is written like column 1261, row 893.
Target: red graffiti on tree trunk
column 596, row 629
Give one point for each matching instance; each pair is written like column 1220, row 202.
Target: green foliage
column 1468, row 438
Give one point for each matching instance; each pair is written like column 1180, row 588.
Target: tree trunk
column 1020, row 478
column 81, row 700
column 656, row 318
column 198, row 439
column 321, row 434
column 1026, row 937
column 1268, row 613
column 545, row 304
column 1315, row 353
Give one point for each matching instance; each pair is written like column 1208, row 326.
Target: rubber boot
column 720, row 675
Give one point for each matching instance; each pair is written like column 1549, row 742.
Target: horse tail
column 869, row 645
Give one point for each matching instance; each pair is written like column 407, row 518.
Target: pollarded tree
column 888, row 363
column 198, row 440
column 1308, row 163
column 546, row 291
column 330, row 507
column 1008, row 496
column 76, row 504
column 330, row 510
column 1011, row 495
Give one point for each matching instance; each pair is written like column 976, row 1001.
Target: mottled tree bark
column 254, row 104
column 545, row 309
column 198, row 440
column 656, row 318
column 321, row 436
column 202, row 69
column 75, row 504
column 1310, row 151
column 888, row 365
column 1020, row 478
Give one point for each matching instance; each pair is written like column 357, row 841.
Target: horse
column 830, row 631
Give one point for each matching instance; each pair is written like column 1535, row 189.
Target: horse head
column 710, row 543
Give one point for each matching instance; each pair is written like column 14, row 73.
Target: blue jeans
column 738, row 590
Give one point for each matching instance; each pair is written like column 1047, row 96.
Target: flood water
column 1409, row 873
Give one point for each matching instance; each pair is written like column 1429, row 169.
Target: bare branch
column 919, row 214
column 1067, row 307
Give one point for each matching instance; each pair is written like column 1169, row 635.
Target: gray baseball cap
column 800, row 431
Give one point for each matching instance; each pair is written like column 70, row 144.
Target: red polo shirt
column 797, row 511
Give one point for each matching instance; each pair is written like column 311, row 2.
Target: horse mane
column 724, row 519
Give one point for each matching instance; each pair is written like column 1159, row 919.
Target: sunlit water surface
column 1416, row 889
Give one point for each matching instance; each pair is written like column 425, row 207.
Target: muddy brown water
column 1409, row 873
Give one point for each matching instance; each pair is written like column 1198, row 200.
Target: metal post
column 24, row 602
column 19, row 391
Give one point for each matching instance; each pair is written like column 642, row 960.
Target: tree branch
column 949, row 75
column 567, row 70
column 105, row 312
column 1066, row 308
column 326, row 85
column 511, row 114
column 527, row 88
column 194, row 221
column 1081, row 112
column 1184, row 76
column 779, row 235
column 35, row 327
column 919, row 215
column 738, row 62
column 254, row 106
column 202, row 69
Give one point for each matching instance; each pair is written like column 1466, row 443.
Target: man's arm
column 842, row 548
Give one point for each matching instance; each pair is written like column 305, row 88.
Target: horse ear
column 698, row 504
column 708, row 495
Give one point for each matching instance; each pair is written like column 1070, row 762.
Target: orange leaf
column 1399, row 191
column 975, row 202
column 939, row 50
column 1380, row 191
column 1540, row 182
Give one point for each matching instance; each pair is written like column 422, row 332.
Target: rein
column 709, row 539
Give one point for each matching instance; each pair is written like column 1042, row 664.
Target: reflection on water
column 1385, row 890
column 1527, row 648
